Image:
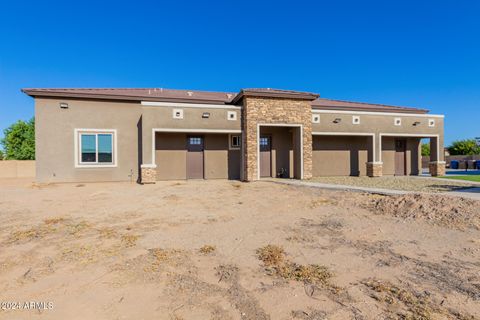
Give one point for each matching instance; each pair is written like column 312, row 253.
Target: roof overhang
column 271, row 93
column 80, row 95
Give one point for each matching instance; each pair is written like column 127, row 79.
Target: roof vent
column 190, row 93
column 229, row 95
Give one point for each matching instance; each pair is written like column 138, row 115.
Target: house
column 161, row 134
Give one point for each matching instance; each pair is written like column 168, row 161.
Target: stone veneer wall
column 437, row 168
column 264, row 110
column 374, row 169
column 148, row 174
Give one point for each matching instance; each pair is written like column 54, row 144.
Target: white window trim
column 188, row 105
column 315, row 116
column 77, row 152
column 230, row 147
column 354, row 118
column 230, row 113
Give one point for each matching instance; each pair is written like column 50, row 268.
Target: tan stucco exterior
column 340, row 155
column 54, row 135
column 150, row 139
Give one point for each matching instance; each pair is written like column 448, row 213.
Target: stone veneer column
column 374, row 169
column 148, row 173
column 437, row 168
column 263, row 110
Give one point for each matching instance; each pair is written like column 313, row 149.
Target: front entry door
column 400, row 154
column 195, row 157
column 265, row 156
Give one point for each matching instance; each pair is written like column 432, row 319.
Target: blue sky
column 414, row 53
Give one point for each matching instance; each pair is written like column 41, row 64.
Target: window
column 195, row 140
column 431, row 122
column 397, row 121
column 315, row 118
column 232, row 115
column 95, row 148
column 235, row 141
column 263, row 141
column 177, row 113
column 356, row 120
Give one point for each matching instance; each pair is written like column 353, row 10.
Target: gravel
column 416, row 184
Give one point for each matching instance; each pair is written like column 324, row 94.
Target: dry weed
column 408, row 303
column 30, row 234
column 55, row 220
column 107, row 233
column 273, row 257
column 315, row 203
column 76, row 228
column 207, row 249
column 129, row 240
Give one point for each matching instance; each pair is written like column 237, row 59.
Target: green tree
column 1, row 155
column 19, row 140
column 425, row 149
column 464, row 147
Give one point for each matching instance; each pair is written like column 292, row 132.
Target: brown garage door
column 195, row 148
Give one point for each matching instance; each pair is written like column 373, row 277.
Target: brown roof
column 194, row 96
column 136, row 94
column 329, row 104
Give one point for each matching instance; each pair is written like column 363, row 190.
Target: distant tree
column 1, row 155
column 464, row 147
column 19, row 141
column 425, row 149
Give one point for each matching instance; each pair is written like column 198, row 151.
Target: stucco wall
column 381, row 125
column 54, row 136
column 161, row 118
column 171, row 157
column 17, row 169
column 340, row 155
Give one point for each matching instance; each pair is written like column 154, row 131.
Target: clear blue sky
column 414, row 53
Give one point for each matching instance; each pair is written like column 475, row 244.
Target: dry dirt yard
column 406, row 183
column 231, row 250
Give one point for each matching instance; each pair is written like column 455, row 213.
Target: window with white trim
column 356, row 119
column 431, row 122
column 95, row 148
column 235, row 141
column 397, row 121
column 315, row 118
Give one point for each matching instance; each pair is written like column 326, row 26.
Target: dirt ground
column 405, row 183
column 231, row 250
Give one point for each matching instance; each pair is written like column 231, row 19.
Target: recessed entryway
column 280, row 151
